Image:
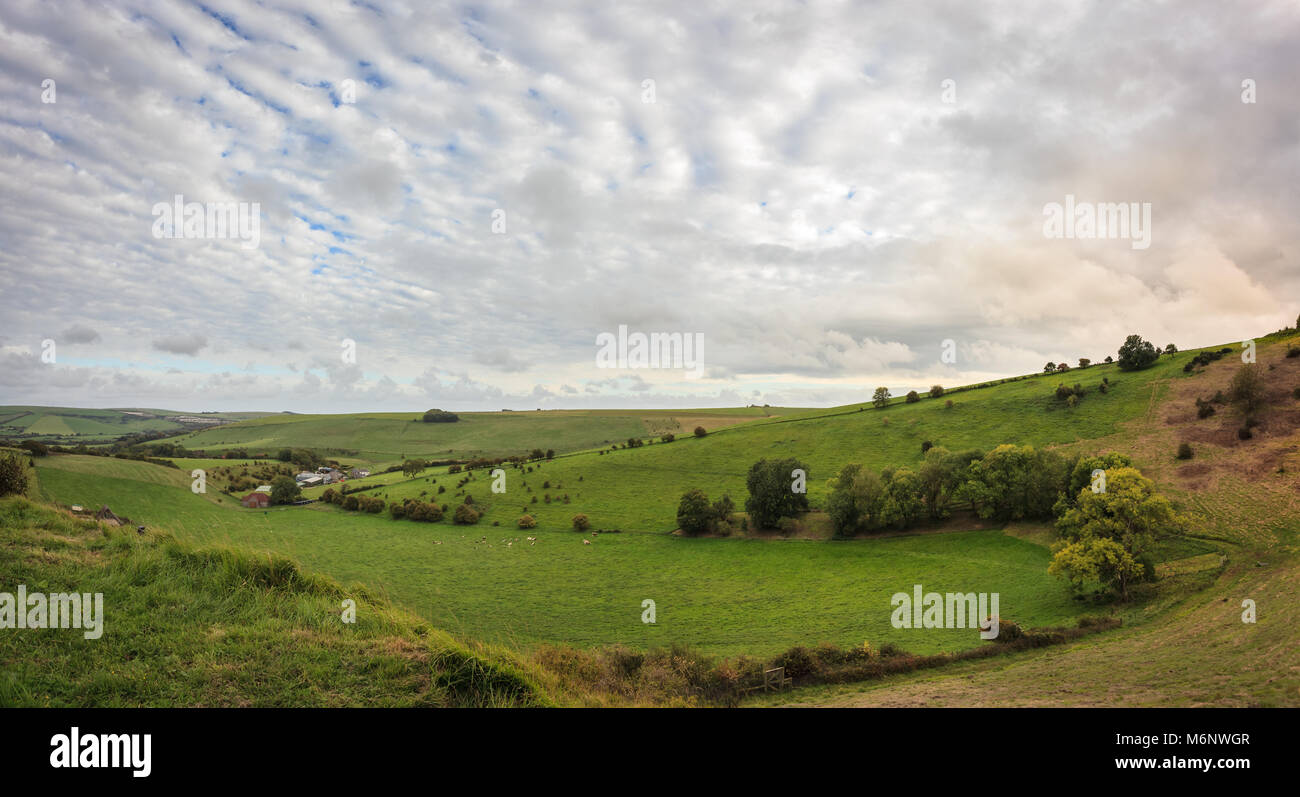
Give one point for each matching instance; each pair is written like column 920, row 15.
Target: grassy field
column 73, row 425
column 390, row 437
column 725, row 596
column 189, row 627
column 739, row 595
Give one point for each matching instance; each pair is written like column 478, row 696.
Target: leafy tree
column 694, row 515
column 723, row 508
column 465, row 515
column 1081, row 476
column 13, row 475
column 1096, row 559
column 771, row 494
column 1136, row 354
column 35, row 448
column 881, row 397
column 411, row 467
column 581, row 523
column 1129, row 514
column 1110, row 359
column 667, row 437
column 1015, row 482
column 1050, row 368
column 936, row 391
column 1062, row 367
column 700, row 431
column 285, row 455
column 284, row 490
column 913, row 397
column 1084, row 362
column 1171, row 349
column 902, row 505
column 527, row 522
column 854, row 501
column 1247, row 388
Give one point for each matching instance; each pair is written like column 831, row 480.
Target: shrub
column 1292, row 350
column 1247, row 388
column 667, row 438
column 913, row 397
column 700, row 431
column 581, row 523
column 398, row 511
column 465, row 515
column 329, row 496
column 1008, row 631
column 693, row 512
column 1185, row 451
column 926, row 446
column 527, row 522
column 13, row 476
column 936, row 391
column 35, row 448
column 351, row 503
column 947, row 405
column 1244, row 433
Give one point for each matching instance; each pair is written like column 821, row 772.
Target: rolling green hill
column 760, row 594
column 385, row 437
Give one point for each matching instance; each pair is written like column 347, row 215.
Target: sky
column 455, row 201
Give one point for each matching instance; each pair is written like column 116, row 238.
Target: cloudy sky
column 455, row 199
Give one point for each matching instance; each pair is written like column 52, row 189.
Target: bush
column 465, row 515
column 1292, row 350
column 398, row 511
column 527, row 522
column 351, row 503
column 667, row 438
column 947, row 405
column 1244, row 433
column 35, row 448
column 1247, row 388
column 1008, row 631
column 1185, row 451
column 581, row 523
column 13, row 476
column 700, row 431
column 926, row 446
column 693, row 512
column 1204, row 409
column 936, row 391
column 913, row 397
column 439, row 416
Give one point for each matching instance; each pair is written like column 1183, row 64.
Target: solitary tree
column 693, row 512
column 881, row 397
column 1049, row 368
column 1136, row 353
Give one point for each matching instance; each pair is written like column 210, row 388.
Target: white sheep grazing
column 586, row 542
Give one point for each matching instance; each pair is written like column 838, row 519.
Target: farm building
column 265, row 488
column 306, row 479
column 256, row 500
column 358, row 473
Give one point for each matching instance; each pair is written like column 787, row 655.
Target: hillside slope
column 187, row 626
